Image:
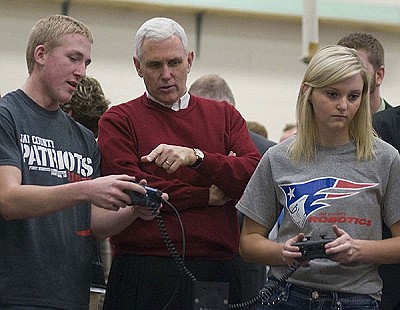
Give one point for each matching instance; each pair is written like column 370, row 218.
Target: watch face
column 199, row 153
column 199, row 157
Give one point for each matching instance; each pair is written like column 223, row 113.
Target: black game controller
column 311, row 249
column 151, row 199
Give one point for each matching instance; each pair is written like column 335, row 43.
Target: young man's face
column 65, row 66
column 164, row 67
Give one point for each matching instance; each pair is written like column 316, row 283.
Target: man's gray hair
column 159, row 29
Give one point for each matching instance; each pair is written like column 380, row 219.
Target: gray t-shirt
column 334, row 188
column 45, row 261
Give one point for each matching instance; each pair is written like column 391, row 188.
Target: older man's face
column 164, row 67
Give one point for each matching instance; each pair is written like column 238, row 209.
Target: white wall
column 259, row 57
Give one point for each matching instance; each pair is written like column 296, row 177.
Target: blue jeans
column 293, row 297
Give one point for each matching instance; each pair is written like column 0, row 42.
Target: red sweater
column 133, row 129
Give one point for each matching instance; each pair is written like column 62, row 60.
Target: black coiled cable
column 265, row 293
column 179, row 260
column 270, row 288
column 169, row 243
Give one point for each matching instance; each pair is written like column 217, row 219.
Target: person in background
column 289, row 130
column 257, row 128
column 334, row 178
column 387, row 125
column 212, row 86
column 87, row 104
column 49, row 176
column 373, row 55
column 182, row 145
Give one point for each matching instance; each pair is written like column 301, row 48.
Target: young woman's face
column 335, row 106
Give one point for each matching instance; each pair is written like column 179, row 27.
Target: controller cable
column 271, row 287
column 265, row 293
column 179, row 259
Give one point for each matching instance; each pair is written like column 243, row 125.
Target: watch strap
column 199, row 159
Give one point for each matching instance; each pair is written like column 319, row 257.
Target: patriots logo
column 303, row 199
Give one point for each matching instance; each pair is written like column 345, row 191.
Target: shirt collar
column 181, row 104
column 381, row 106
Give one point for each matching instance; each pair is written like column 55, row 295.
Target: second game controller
column 312, row 249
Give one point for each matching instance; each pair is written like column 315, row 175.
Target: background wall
column 258, row 55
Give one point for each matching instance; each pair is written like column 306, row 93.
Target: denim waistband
column 314, row 293
column 275, row 291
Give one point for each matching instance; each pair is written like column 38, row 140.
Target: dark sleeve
column 262, row 143
column 387, row 124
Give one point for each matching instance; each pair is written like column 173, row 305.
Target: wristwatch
column 199, row 158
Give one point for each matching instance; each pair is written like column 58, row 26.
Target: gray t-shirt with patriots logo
column 334, row 188
column 45, row 261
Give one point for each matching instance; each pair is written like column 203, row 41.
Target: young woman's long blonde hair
column 328, row 66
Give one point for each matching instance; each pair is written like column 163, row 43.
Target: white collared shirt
column 381, row 106
column 181, row 104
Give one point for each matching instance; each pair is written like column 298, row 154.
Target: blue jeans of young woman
column 293, row 297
